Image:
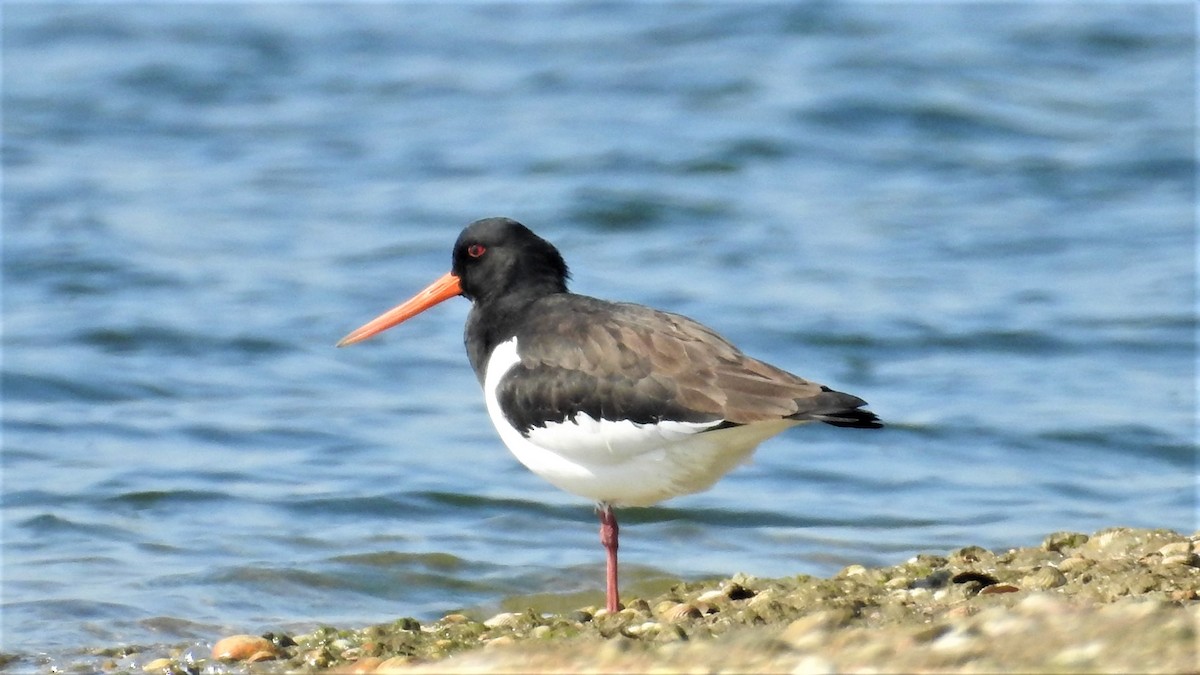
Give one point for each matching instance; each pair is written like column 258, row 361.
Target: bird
column 615, row 402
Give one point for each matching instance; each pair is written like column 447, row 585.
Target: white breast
column 620, row 462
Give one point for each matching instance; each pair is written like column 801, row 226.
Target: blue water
column 980, row 218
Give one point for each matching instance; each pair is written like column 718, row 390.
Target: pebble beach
column 1118, row 600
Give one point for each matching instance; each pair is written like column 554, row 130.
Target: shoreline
column 1118, row 600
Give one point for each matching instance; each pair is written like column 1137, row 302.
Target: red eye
column 476, row 250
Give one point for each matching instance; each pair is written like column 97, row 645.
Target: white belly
column 619, row 462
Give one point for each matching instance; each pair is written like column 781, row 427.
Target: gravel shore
column 1120, row 600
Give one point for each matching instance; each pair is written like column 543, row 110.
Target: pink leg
column 608, row 539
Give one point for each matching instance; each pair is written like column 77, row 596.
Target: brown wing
column 625, row 361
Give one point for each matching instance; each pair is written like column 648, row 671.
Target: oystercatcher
column 616, row 402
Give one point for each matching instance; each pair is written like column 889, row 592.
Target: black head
column 497, row 257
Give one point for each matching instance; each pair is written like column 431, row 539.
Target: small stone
column 710, row 597
column 455, row 618
column 1044, row 578
column 261, row 655
column 244, row 648
column 999, row 588
column 539, row 631
column 503, row 619
column 407, row 623
column 970, row 554
column 1060, row 541
column 1181, row 559
column 1109, row 543
column 502, row 641
column 808, row 632
column 637, row 606
column 1176, row 548
column 157, row 664
column 1075, row 564
column 742, row 579
column 318, row 658
column 852, row 571
column 763, row 599
column 1184, row 594
column 681, row 611
column 644, row 629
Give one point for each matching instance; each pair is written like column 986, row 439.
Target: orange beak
column 444, row 288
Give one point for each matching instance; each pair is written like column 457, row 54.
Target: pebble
column 502, row 641
column 157, row 664
column 1075, row 564
column 503, row 619
column 971, row 554
column 852, row 571
column 637, row 606
column 1065, row 595
column 1043, row 578
column 681, row 611
column 249, row 648
column 763, row 599
column 1063, row 540
column 1181, row 559
column 317, row 658
column 1176, row 548
column 995, row 589
column 808, row 632
column 645, row 628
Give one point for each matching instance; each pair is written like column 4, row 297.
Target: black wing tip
column 843, row 410
column 852, row 418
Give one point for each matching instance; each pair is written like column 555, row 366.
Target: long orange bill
column 444, row 288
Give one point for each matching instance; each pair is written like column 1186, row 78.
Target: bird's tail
column 853, row 417
column 843, row 410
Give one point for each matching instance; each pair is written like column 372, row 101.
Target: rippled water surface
column 977, row 217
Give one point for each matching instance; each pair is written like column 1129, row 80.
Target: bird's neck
column 493, row 321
